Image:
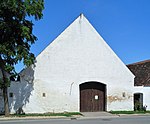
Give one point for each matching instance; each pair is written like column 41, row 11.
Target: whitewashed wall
column 77, row 55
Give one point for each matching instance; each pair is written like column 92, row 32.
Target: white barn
column 77, row 72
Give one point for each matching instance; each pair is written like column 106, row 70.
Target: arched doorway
column 92, row 97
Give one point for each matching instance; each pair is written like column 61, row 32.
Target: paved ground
column 118, row 120
column 98, row 115
column 86, row 115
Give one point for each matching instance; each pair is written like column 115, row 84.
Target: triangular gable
column 80, row 42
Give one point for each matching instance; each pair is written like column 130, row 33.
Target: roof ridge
column 141, row 62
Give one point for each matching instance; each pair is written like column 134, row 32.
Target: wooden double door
column 92, row 97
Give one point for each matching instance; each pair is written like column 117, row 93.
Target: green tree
column 16, row 37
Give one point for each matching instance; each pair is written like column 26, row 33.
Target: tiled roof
column 141, row 70
column 141, row 62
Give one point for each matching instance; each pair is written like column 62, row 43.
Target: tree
column 16, row 37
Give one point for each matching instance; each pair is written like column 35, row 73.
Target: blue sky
column 124, row 24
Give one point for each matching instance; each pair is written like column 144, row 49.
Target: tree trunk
column 6, row 103
column 4, row 87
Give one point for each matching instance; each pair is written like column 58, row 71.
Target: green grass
column 66, row 114
column 129, row 112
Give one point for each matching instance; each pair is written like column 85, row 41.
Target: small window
column 10, row 94
column 44, row 94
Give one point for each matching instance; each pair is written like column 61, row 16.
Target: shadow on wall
column 20, row 91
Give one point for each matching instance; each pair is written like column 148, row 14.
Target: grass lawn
column 129, row 112
column 66, row 114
